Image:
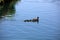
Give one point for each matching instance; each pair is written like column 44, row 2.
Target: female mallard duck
column 32, row 20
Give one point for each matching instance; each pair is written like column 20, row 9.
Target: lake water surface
column 48, row 28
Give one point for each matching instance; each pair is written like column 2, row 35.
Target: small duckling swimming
column 32, row 20
column 27, row 20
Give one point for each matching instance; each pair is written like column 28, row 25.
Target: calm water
column 48, row 28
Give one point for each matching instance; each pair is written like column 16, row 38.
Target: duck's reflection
column 7, row 8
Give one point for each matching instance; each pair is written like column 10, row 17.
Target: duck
column 32, row 20
column 35, row 19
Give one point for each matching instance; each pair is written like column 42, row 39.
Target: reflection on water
column 8, row 8
column 14, row 28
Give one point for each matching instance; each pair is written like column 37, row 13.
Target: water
column 48, row 28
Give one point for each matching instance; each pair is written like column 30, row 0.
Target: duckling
column 27, row 20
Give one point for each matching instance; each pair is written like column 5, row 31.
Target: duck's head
column 37, row 17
